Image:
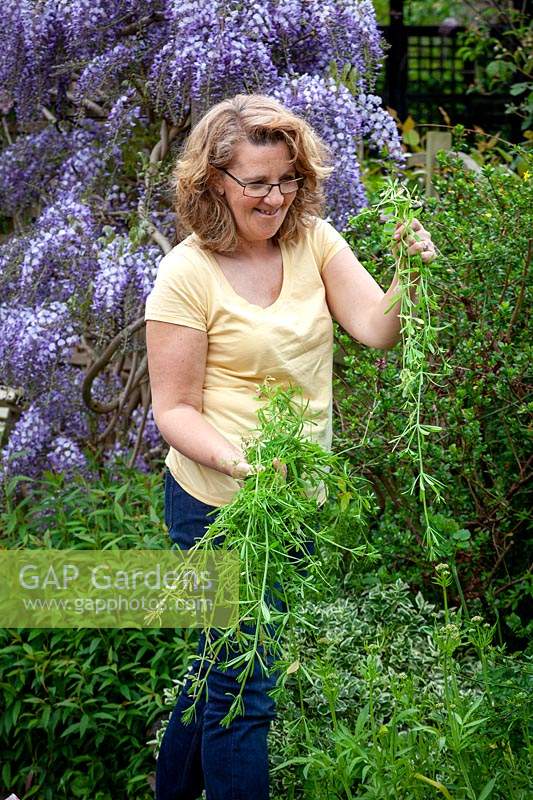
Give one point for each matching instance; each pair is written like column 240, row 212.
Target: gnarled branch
column 100, row 364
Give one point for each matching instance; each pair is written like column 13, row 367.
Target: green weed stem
column 418, row 336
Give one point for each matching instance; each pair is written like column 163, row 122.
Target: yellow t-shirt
column 291, row 341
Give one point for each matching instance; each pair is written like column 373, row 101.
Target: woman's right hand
column 235, row 465
column 240, row 468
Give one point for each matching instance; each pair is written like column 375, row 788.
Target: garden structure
column 429, row 76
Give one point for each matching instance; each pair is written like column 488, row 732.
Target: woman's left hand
column 418, row 241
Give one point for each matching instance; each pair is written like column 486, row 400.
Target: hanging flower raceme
column 340, row 124
column 120, row 267
column 39, row 337
column 65, row 456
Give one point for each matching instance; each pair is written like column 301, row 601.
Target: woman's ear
column 217, row 187
column 216, row 182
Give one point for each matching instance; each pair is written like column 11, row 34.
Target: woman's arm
column 357, row 301
column 176, row 363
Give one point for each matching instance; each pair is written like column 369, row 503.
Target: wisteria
column 66, row 456
column 29, row 440
column 37, row 338
column 57, row 411
column 103, row 67
column 340, row 122
column 377, row 126
column 97, row 97
column 49, row 255
column 120, row 268
column 28, row 166
column 124, row 115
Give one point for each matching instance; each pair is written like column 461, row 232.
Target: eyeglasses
column 262, row 189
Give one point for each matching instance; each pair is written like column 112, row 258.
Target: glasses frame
column 252, row 183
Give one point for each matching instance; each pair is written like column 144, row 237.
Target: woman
column 250, row 293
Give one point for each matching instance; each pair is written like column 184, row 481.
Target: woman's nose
column 274, row 197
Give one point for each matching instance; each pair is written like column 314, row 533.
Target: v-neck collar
column 229, row 287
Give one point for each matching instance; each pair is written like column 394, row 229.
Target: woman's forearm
column 185, row 429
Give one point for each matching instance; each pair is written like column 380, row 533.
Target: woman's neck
column 254, row 251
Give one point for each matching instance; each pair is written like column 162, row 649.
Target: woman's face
column 258, row 218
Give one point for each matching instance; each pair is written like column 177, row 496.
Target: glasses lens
column 256, row 189
column 288, row 186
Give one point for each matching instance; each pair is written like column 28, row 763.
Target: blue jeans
column 230, row 763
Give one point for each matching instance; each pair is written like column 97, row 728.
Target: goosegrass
column 286, row 539
column 275, row 524
column 419, row 333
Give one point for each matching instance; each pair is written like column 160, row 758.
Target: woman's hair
column 257, row 119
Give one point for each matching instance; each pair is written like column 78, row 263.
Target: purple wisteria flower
column 53, row 250
column 120, row 267
column 31, row 40
column 378, row 127
column 66, row 456
column 56, row 411
column 28, row 166
column 28, row 443
column 341, row 127
column 103, row 68
column 37, row 338
column 122, row 119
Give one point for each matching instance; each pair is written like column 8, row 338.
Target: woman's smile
column 266, row 213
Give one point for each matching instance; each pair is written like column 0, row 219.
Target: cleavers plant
column 397, row 205
column 280, row 530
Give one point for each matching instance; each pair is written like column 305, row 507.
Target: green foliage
column 379, row 695
column 419, row 12
column 499, row 40
column 418, row 342
column 120, row 509
column 382, row 695
column 281, row 534
column 481, row 224
column 79, row 705
column 405, row 701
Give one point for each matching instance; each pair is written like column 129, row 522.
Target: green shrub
column 400, row 700
column 79, row 706
column 481, row 224
column 120, row 508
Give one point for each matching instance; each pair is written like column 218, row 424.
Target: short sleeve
column 326, row 242
column 179, row 294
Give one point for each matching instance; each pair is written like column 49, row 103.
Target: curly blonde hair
column 258, row 119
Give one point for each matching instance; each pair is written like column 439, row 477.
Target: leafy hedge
column 481, row 223
column 79, row 706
